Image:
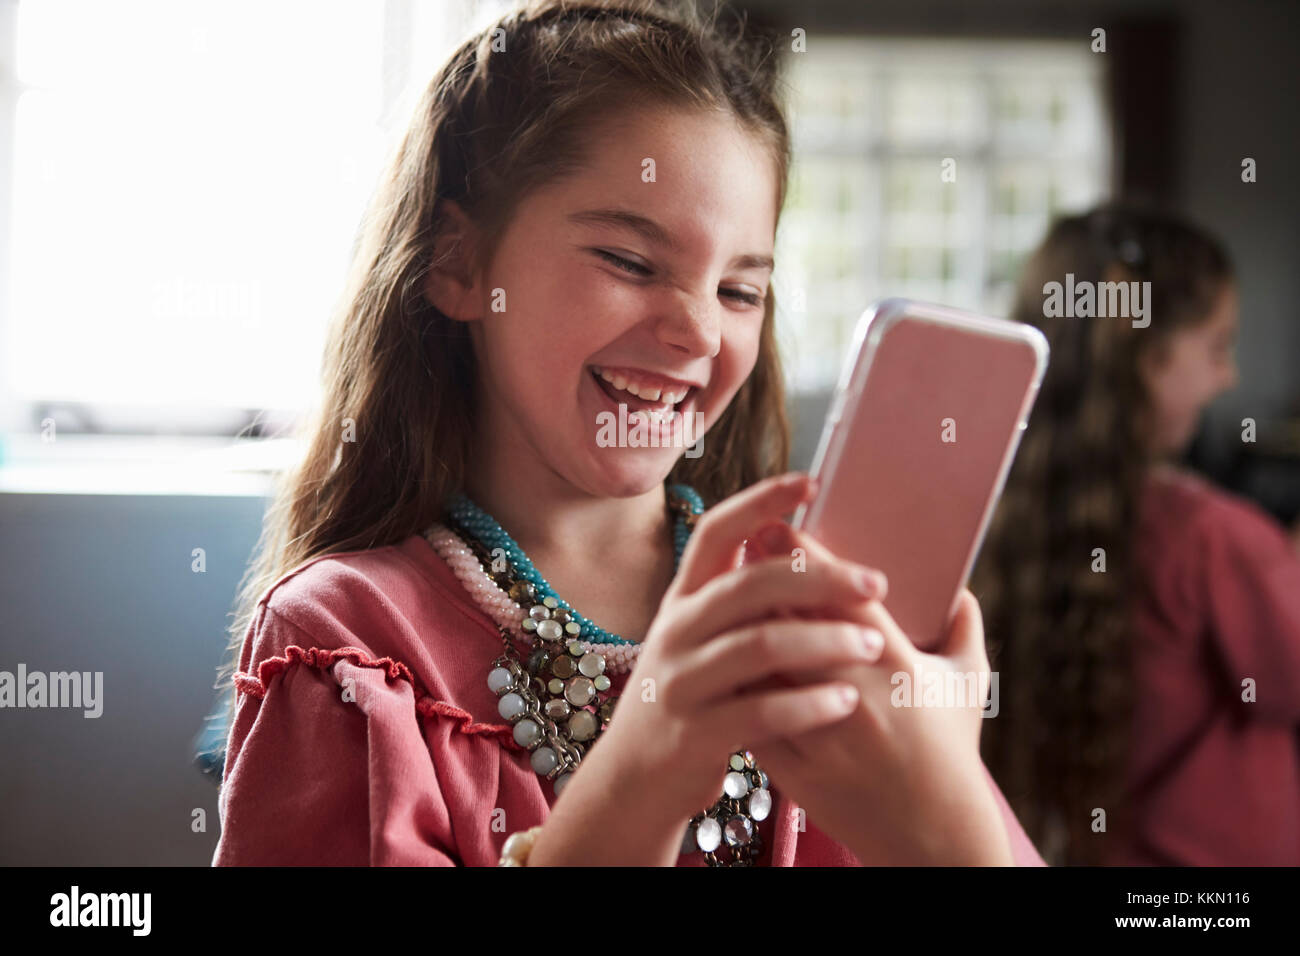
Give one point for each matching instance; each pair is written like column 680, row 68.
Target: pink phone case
column 917, row 444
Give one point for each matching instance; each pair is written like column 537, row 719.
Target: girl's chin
column 626, row 472
column 1176, row 445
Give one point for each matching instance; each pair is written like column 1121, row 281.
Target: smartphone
column 918, row 440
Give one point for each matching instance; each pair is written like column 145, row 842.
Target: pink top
column 1214, row 779
column 366, row 733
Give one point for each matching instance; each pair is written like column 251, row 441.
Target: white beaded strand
column 465, row 564
column 619, row 658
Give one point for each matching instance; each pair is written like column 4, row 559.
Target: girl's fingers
column 772, row 588
column 963, row 653
column 756, row 718
column 873, row 613
column 732, row 660
column 722, row 530
column 782, row 539
column 896, row 654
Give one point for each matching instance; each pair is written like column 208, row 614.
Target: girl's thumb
column 965, row 642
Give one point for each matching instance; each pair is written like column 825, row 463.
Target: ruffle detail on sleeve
column 325, row 658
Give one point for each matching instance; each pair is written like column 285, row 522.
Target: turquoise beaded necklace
column 683, row 499
column 549, row 700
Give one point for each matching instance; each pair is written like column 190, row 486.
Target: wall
column 104, row 583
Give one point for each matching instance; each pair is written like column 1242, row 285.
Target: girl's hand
column 897, row 783
column 685, row 706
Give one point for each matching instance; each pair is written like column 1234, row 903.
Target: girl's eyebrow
column 655, row 233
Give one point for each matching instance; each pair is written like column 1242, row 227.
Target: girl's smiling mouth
column 640, row 391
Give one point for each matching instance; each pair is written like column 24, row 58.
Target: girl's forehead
column 662, row 146
column 688, row 171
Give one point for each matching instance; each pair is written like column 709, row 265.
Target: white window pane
column 188, row 183
column 1025, row 124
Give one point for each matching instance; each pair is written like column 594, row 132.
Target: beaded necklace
column 554, row 701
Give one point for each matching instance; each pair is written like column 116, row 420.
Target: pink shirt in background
column 366, row 732
column 1214, row 780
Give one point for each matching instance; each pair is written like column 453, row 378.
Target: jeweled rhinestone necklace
column 558, row 702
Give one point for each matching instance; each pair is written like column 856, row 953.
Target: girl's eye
column 625, row 265
column 749, row 298
column 635, row 268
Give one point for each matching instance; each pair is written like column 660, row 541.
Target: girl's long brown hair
column 1059, row 633
column 513, row 109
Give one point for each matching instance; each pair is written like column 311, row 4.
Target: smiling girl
column 462, row 581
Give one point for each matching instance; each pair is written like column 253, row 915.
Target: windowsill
column 142, row 465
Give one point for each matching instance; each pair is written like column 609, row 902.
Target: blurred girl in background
column 1146, row 625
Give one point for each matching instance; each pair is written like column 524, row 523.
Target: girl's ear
column 450, row 285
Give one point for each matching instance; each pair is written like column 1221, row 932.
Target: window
column 188, row 182
column 870, row 214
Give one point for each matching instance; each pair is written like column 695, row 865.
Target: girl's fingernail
column 872, row 640
column 868, row 582
column 848, row 696
column 800, row 481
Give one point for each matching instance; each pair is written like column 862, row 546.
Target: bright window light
column 869, row 213
column 188, row 183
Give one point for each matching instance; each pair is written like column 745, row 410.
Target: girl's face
column 652, row 265
column 1195, row 366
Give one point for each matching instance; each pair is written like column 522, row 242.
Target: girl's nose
column 691, row 326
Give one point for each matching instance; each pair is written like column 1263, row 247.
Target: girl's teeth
column 653, row 415
column 648, row 394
